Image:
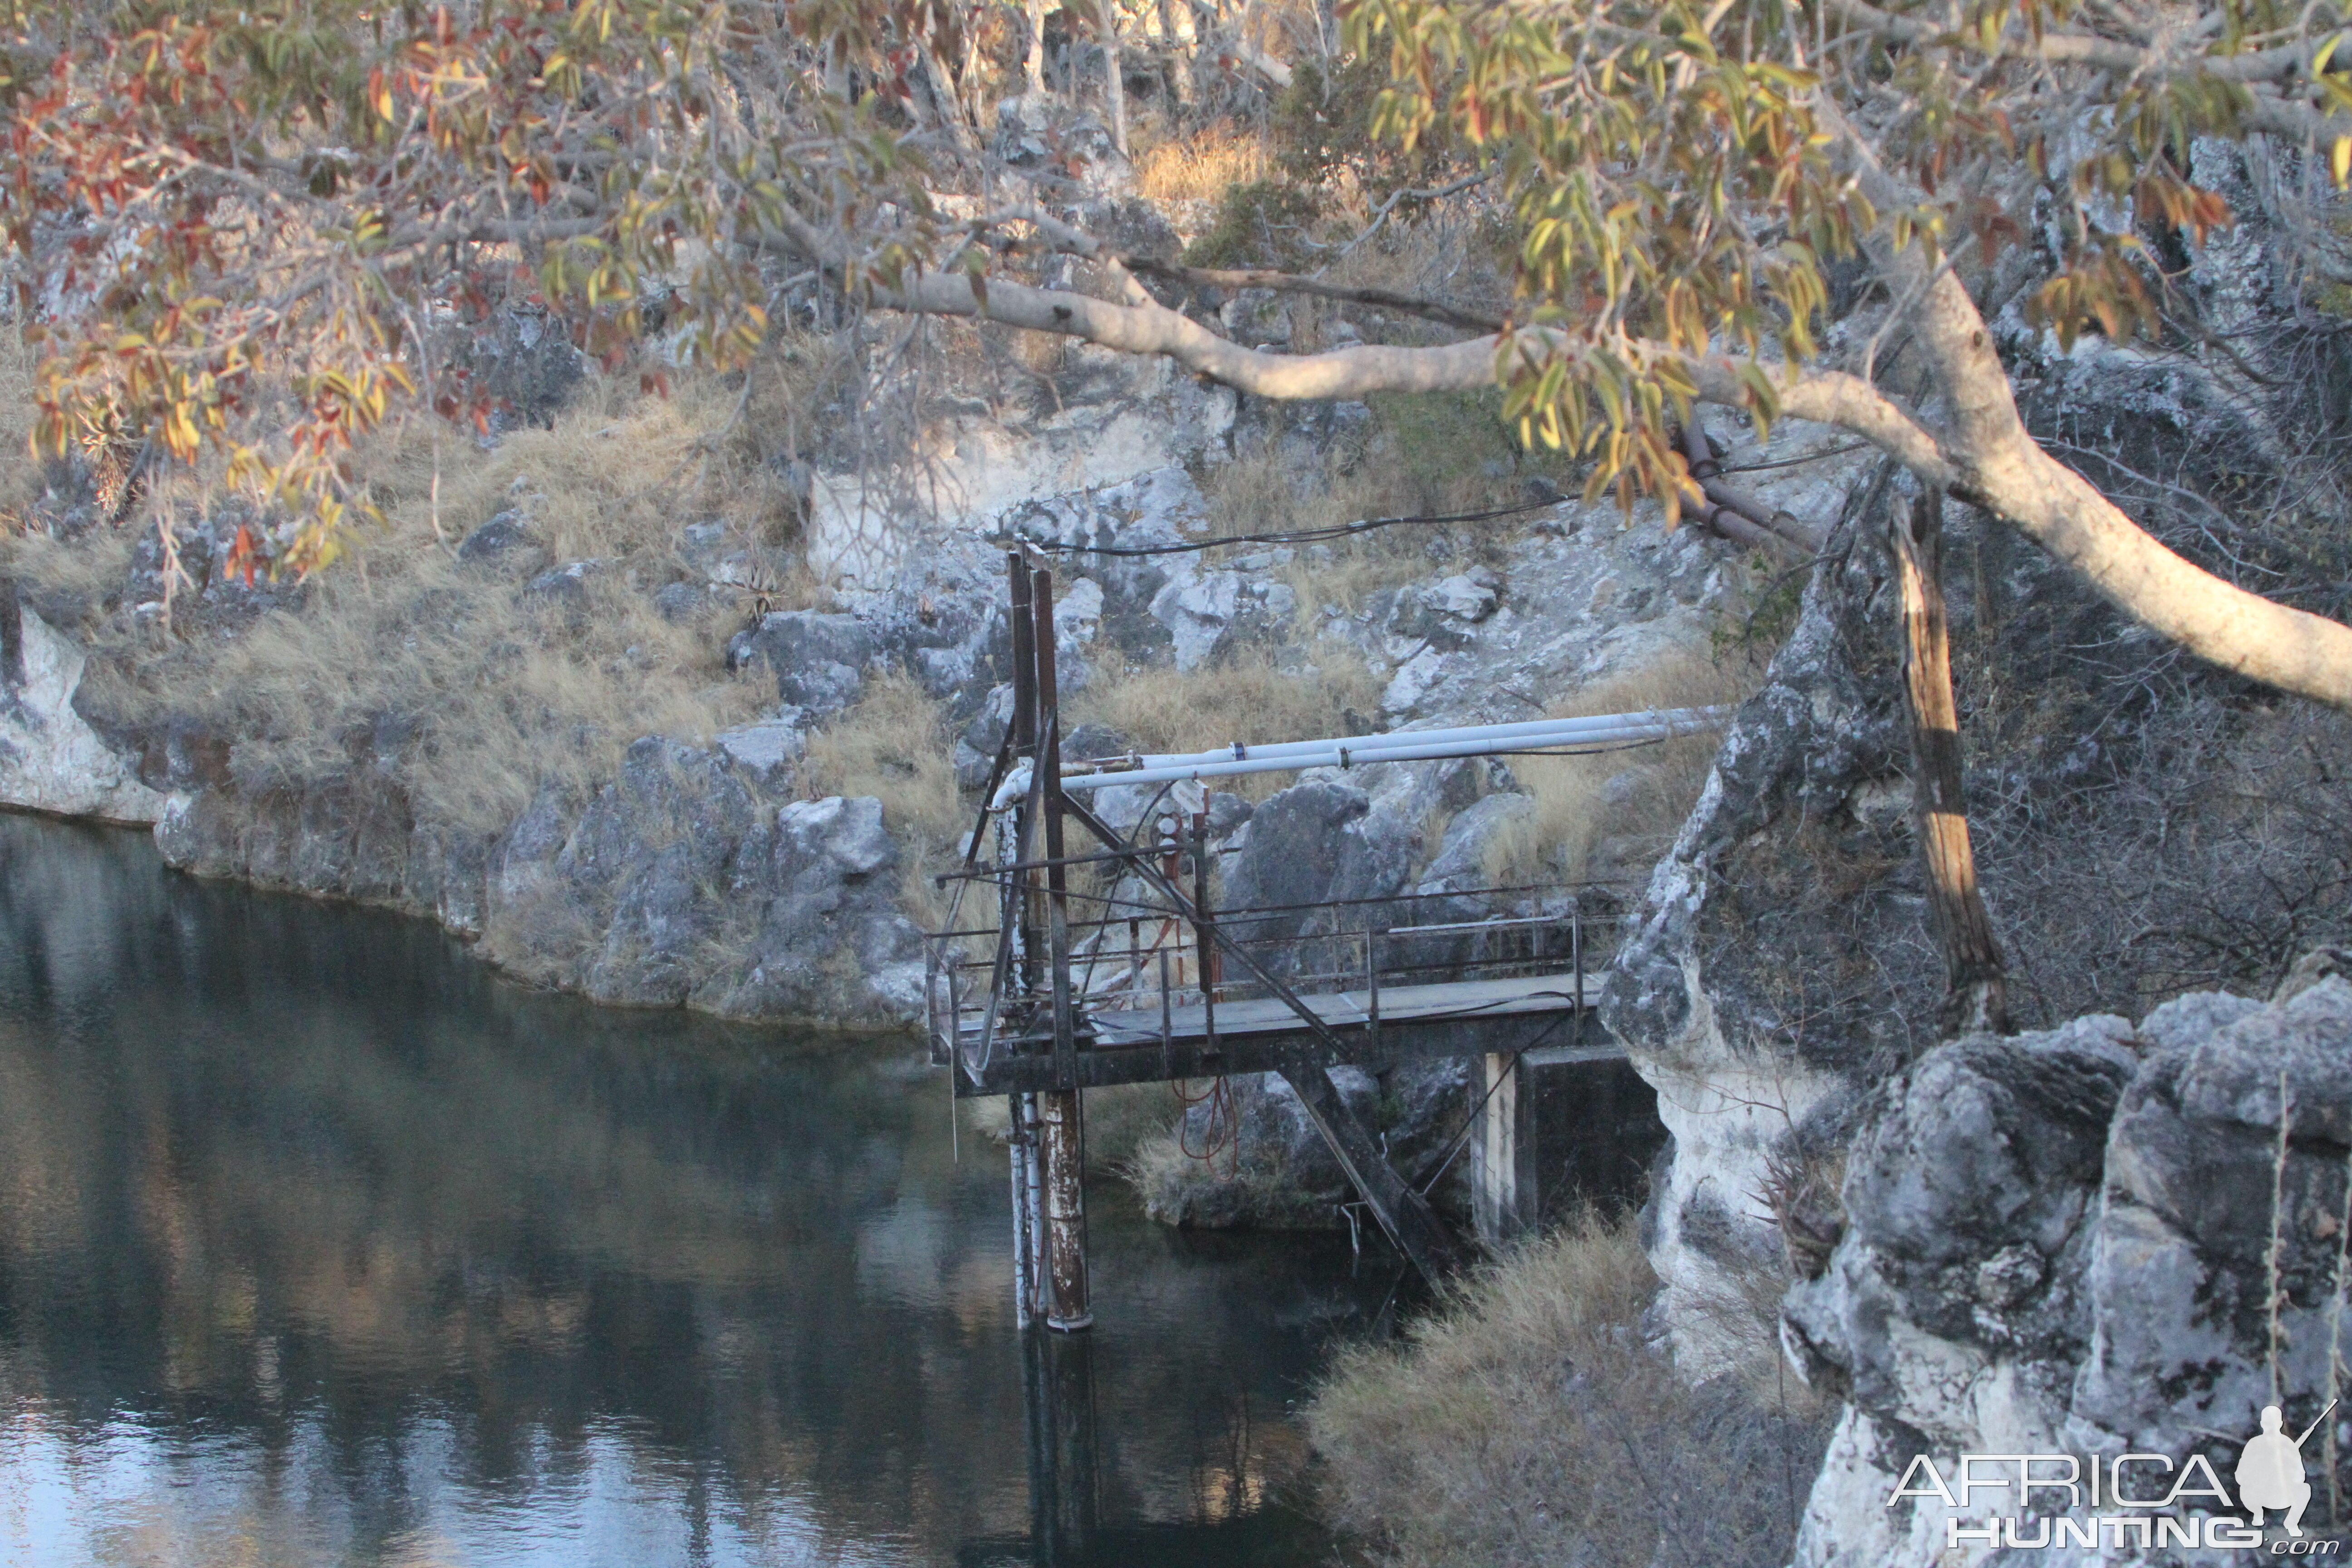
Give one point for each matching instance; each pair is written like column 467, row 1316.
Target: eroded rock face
column 831, row 943
column 2062, row 1243
column 691, row 880
column 1111, row 419
column 1691, row 992
column 50, row 759
column 819, row 661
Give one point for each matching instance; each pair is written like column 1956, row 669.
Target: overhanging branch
column 1291, row 283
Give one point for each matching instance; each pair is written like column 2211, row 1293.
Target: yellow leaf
column 2339, row 160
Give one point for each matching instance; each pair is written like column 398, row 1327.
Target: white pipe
column 1694, row 716
column 1329, row 754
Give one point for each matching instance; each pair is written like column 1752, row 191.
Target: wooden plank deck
column 1453, row 1018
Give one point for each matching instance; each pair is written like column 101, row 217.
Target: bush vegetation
column 1528, row 1422
column 474, row 691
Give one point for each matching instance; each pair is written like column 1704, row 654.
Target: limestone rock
column 830, row 941
column 819, row 660
column 50, row 758
column 508, row 543
column 1474, row 835
column 765, row 748
column 2062, row 1243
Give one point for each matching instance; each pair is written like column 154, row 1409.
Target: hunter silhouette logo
column 2133, row 1500
column 2269, row 1471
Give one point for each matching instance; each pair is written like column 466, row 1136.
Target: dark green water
column 318, row 1245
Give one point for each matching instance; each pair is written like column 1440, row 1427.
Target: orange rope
column 1223, row 1133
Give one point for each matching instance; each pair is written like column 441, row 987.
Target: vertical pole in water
column 1063, row 1137
column 1024, row 1271
column 1494, row 1163
column 1017, row 927
column 1058, row 1393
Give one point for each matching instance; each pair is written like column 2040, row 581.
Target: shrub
column 1261, row 224
column 1527, row 1421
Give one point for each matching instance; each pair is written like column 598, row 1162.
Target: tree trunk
column 1114, row 77
column 1177, row 66
column 945, row 101
column 1036, row 60
column 1976, row 995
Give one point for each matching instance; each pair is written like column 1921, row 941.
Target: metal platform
column 1409, row 1023
column 1082, row 968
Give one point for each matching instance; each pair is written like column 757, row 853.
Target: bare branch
column 1155, row 330
column 1291, row 283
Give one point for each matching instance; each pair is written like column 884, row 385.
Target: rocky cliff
column 2098, row 1240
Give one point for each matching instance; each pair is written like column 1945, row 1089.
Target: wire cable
column 1301, row 536
column 1367, row 525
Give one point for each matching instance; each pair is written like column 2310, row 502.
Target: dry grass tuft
column 606, row 483
column 476, row 693
column 1254, row 697
column 1123, row 1119
column 1202, row 166
column 85, row 568
column 1210, row 1188
column 1641, row 795
column 893, row 744
column 1527, row 1421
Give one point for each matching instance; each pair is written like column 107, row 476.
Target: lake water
column 319, row 1245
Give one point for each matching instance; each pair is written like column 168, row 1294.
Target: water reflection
column 318, row 1245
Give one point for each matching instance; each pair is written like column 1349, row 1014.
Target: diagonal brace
column 1403, row 1213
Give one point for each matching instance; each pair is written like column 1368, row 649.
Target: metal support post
column 1494, row 1154
column 1576, row 950
column 1034, row 1206
column 1167, row 1020
column 1063, row 1134
column 1203, row 933
column 1028, row 916
column 1067, row 1307
column 1024, row 1272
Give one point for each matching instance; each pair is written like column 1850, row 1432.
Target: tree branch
column 1153, row 329
column 2286, row 63
column 1997, row 463
column 1291, row 283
